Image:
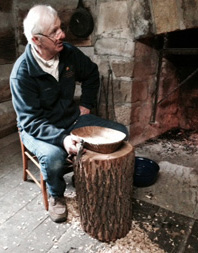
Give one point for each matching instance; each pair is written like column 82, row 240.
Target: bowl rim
column 122, row 135
column 140, row 158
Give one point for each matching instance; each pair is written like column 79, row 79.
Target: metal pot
column 81, row 23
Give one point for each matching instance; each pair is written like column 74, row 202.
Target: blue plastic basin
column 145, row 172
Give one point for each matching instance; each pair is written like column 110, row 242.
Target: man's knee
column 53, row 162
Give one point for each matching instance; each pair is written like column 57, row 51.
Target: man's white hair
column 38, row 19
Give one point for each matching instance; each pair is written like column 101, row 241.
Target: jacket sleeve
column 88, row 75
column 25, row 99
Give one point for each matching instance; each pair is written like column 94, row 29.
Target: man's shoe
column 58, row 209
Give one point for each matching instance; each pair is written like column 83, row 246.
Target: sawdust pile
column 72, row 206
column 135, row 241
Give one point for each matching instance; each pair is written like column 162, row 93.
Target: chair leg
column 24, row 160
column 25, row 167
column 25, row 157
column 44, row 192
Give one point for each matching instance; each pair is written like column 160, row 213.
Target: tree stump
column 104, row 184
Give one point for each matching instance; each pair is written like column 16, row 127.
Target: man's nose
column 61, row 35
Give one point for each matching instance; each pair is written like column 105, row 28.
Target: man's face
column 51, row 41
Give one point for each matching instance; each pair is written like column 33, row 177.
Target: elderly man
column 42, row 85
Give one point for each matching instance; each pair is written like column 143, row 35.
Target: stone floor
column 165, row 215
column 176, row 189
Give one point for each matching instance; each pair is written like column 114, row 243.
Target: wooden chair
column 28, row 156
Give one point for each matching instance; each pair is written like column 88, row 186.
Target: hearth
column 177, row 146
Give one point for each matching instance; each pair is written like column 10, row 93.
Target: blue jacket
column 45, row 107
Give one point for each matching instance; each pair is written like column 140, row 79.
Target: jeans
column 52, row 159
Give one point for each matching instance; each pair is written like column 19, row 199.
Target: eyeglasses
column 53, row 35
column 45, row 36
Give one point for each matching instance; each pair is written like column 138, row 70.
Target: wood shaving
column 135, row 241
column 73, row 211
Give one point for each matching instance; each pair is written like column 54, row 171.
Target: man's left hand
column 84, row 110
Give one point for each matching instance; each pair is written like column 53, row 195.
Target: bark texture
column 104, row 184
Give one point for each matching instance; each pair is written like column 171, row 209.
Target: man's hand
column 84, row 110
column 71, row 144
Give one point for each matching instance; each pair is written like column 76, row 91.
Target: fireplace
column 165, row 90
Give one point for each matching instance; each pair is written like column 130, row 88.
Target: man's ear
column 36, row 40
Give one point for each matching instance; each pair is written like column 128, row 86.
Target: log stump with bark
column 104, row 184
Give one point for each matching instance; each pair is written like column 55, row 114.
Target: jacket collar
column 33, row 68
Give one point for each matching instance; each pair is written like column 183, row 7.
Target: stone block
column 144, row 69
column 103, row 64
column 114, row 20
column 6, row 20
column 136, row 133
column 123, row 113
column 5, row 71
column 165, row 15
column 89, row 51
column 135, row 112
column 189, row 13
column 113, row 46
column 139, row 85
column 145, row 114
column 141, row 19
column 6, row 6
column 21, row 13
column 7, row 38
column 122, row 68
column 4, row 82
column 145, row 47
column 78, row 91
column 102, row 110
column 146, row 59
column 122, row 91
column 116, row 91
column 7, row 46
column 7, row 118
column 4, row 91
column 119, row 112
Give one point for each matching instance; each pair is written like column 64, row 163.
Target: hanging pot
column 81, row 23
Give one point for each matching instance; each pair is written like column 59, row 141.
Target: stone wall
column 127, row 60
column 7, row 57
column 114, row 50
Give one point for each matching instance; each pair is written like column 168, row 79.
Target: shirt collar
column 48, row 63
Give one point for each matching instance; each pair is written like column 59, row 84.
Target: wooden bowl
column 100, row 139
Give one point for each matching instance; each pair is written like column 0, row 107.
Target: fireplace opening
column 165, row 86
column 181, row 52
